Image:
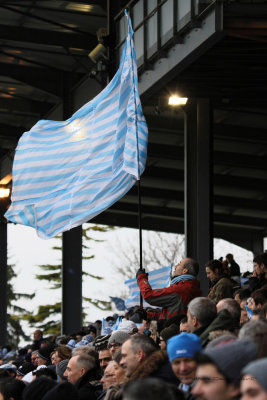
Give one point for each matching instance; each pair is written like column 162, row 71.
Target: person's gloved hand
column 141, row 271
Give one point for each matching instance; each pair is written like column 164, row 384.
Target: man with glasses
column 116, row 340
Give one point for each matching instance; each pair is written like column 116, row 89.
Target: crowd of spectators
column 190, row 347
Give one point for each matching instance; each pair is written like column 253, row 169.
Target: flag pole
column 140, row 233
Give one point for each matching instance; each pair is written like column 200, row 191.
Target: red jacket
column 173, row 299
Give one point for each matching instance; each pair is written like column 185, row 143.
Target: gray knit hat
column 257, row 369
column 118, row 337
column 232, row 357
column 61, row 368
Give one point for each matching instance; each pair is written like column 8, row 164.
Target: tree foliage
column 47, row 317
column 14, row 329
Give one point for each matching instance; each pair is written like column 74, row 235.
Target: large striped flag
column 67, row 172
column 159, row 278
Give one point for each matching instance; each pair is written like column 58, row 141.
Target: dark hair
column 215, row 264
column 263, row 312
column 38, row 388
column 259, row 296
column 242, row 293
column 203, row 359
column 261, row 259
column 47, row 372
column 151, row 389
column 12, row 388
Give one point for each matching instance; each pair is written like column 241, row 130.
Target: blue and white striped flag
column 158, row 279
column 65, row 173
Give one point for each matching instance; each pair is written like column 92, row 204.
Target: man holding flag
column 173, row 299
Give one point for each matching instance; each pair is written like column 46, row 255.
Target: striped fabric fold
column 158, row 279
column 67, row 172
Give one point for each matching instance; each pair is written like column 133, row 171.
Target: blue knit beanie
column 183, row 345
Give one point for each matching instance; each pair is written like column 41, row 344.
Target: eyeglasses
column 115, row 345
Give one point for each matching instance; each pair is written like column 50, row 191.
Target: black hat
column 62, row 391
column 25, row 368
column 44, row 352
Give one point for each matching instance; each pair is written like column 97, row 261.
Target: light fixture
column 177, row 100
column 4, row 192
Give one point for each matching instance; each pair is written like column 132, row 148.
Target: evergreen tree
column 14, row 329
column 47, row 316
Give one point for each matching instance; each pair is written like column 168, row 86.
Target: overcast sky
column 26, row 251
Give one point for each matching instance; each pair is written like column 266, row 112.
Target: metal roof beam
column 41, row 78
column 25, row 105
column 47, row 37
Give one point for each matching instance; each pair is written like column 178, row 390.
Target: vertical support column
column 71, row 251
column 198, row 185
column 3, row 282
column 257, row 243
column 72, row 281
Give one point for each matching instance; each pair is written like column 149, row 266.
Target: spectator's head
column 128, row 327
column 251, row 329
column 186, row 266
column 263, row 312
column 241, row 294
column 38, row 388
column 60, row 369
column 151, row 389
column 254, row 383
column 219, row 370
column 201, row 312
column 134, row 351
column 47, row 372
column 166, row 334
column 37, row 335
column 233, row 307
column 24, row 369
column 116, row 340
column 260, row 264
column 109, row 377
column 43, row 355
column 78, row 366
column 258, row 299
column 181, row 350
column 229, row 257
column 104, row 358
column 63, row 391
column 214, row 270
column 119, row 371
column 183, row 326
column 34, row 358
column 62, row 352
column 11, row 389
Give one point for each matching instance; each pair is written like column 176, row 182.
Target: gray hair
column 85, row 361
column 142, row 342
column 192, row 266
column 203, row 309
column 251, row 329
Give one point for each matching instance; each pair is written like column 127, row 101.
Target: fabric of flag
column 158, row 279
column 119, row 303
column 67, row 172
